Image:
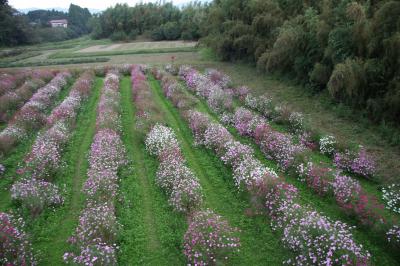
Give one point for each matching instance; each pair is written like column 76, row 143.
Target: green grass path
column 151, row 232
column 52, row 229
column 260, row 245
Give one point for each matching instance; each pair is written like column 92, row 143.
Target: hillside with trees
column 14, row 28
column 17, row 28
column 349, row 48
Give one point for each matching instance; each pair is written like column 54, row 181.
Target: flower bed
column 356, row 162
column 297, row 222
column 327, row 145
column 35, row 192
column 10, row 81
column 36, row 195
column 279, row 197
column 360, row 162
column 15, row 248
column 318, row 178
column 31, row 115
column 175, row 91
column 95, row 235
column 209, row 239
column 12, row 100
column 281, row 148
column 108, row 108
column 179, row 182
column 391, row 196
column 106, row 156
column 393, row 236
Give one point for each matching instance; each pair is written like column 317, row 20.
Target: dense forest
column 349, row 49
column 17, row 28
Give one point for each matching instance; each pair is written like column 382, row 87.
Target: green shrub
column 319, row 76
column 340, row 43
column 282, row 57
column 392, row 100
column 171, row 31
column 348, row 80
column 187, row 35
column 157, row 34
column 132, row 34
column 262, row 61
column 119, row 36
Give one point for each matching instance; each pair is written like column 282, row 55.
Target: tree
column 78, row 19
column 14, row 28
column 171, row 30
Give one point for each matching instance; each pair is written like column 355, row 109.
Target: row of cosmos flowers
column 313, row 237
column 294, row 157
column 16, row 89
column 209, row 238
column 31, row 116
column 95, row 237
column 34, row 189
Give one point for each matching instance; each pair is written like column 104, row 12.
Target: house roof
column 59, row 21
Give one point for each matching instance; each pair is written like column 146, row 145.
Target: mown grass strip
column 123, row 52
column 152, row 233
column 52, row 229
column 23, row 56
column 57, row 62
column 381, row 254
column 260, row 245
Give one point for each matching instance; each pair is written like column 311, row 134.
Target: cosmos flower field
column 177, row 165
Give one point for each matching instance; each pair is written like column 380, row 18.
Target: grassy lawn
column 124, row 52
column 138, row 46
column 87, row 52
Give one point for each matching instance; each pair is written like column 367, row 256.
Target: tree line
column 154, row 20
column 17, row 28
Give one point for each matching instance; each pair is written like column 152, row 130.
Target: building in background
column 59, row 23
